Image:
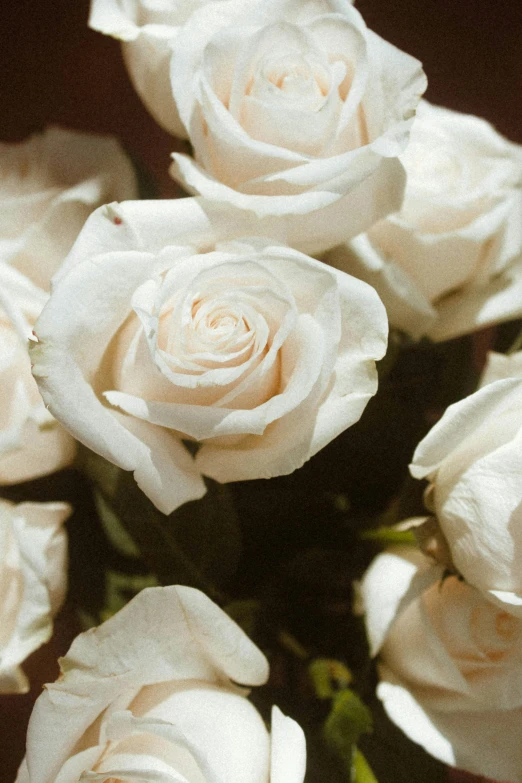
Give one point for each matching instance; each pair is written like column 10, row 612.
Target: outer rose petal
column 39, row 453
column 407, row 308
column 460, row 421
column 482, row 522
column 288, row 759
column 147, row 56
column 409, row 572
column 153, row 225
column 475, row 308
column 204, row 719
column 32, row 443
column 50, row 184
column 472, row 459
column 407, row 713
column 338, row 218
column 484, row 743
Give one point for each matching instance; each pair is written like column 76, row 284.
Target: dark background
column 53, row 69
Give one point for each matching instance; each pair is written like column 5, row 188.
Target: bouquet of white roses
column 312, row 309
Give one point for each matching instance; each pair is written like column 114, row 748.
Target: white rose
column 154, row 694
column 166, row 325
column 451, row 664
column 33, row 559
column 473, row 460
column 500, row 366
column 450, row 261
column 296, row 110
column 49, row 185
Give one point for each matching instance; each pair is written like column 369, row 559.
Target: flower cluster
column 448, row 632
column 233, row 334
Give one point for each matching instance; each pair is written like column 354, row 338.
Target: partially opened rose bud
column 157, row 693
column 450, row 664
column 172, row 322
column 450, row 261
column 473, row 460
column 33, row 576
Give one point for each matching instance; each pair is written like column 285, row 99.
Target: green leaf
column 198, row 545
column 209, row 533
column 361, row 770
column 328, row 677
column 113, row 528
column 348, row 719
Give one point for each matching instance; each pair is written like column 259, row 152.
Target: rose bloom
column 291, row 110
column 157, row 693
column 450, row 261
column 167, row 324
column 450, row 664
column 33, row 560
column 48, row 186
column 473, row 461
column 290, row 107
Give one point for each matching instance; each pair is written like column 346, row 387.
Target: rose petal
column 484, row 743
column 407, row 309
column 288, row 756
column 410, row 573
column 460, row 421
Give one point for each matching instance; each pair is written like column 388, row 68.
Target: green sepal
column 361, row 770
column 389, row 535
column 329, row 677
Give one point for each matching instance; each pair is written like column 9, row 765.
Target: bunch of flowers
column 171, row 354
